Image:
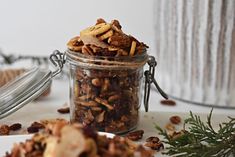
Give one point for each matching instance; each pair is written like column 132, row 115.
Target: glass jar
column 105, row 92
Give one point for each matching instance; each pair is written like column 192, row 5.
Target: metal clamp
column 58, row 60
column 149, row 79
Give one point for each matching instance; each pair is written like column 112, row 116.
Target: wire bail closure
column 58, row 60
column 149, row 79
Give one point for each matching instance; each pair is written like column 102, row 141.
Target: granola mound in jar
column 106, row 71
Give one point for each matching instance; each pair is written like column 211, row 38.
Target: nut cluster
column 106, row 39
column 106, row 99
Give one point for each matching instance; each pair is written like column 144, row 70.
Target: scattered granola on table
column 64, row 140
column 34, row 127
column 106, row 99
column 168, row 102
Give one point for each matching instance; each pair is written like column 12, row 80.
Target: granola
column 61, row 139
column 106, row 99
column 135, row 135
column 106, row 39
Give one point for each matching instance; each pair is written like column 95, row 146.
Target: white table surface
column 46, row 108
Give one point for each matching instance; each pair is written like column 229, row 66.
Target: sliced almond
column 84, row 97
column 87, row 103
column 96, row 108
column 106, row 35
column 112, row 48
column 100, row 117
column 133, row 46
column 104, row 102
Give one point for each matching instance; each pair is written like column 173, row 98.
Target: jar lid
column 28, row 86
column 23, row 90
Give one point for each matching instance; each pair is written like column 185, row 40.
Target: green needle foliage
column 200, row 139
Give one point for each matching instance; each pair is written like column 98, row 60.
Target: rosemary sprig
column 200, row 139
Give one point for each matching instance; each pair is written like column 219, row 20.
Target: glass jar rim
column 133, row 62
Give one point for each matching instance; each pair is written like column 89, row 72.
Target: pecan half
column 4, row 130
column 32, row 129
column 135, row 135
column 120, row 40
column 38, row 125
column 63, row 110
column 152, row 139
column 175, row 119
column 15, row 126
column 99, row 21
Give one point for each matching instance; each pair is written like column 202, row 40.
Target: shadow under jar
column 105, row 92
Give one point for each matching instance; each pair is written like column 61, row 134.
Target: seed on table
column 63, row 110
column 168, row 102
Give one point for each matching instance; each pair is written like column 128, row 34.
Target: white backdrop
column 41, row 26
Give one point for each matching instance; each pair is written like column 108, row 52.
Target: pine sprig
column 200, row 139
